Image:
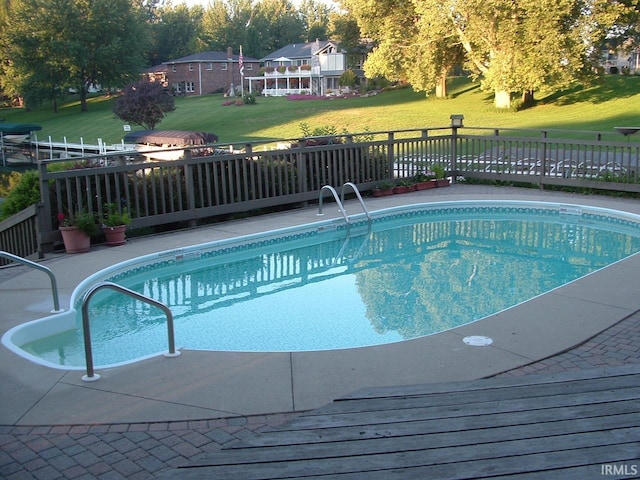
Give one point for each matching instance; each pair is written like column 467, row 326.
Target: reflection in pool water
column 413, row 272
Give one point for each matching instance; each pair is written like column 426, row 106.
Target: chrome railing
column 42, row 268
column 91, row 376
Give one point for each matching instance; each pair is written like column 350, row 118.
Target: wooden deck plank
column 534, row 406
column 487, row 394
column 459, row 424
column 554, row 429
column 425, row 441
column 420, row 465
column 484, row 383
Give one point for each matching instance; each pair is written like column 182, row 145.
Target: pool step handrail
column 42, row 268
column 91, row 376
column 337, row 199
column 340, row 200
column 357, row 192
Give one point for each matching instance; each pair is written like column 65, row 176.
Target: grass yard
column 614, row 102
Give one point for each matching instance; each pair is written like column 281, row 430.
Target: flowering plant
column 85, row 222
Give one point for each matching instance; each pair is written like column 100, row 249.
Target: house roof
column 298, row 50
column 210, row 57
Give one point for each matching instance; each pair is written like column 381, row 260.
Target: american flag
column 241, row 62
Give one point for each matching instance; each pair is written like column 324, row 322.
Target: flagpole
column 241, row 65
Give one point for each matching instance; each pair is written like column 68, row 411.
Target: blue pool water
column 413, row 272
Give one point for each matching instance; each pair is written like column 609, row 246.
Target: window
column 189, row 87
column 177, row 87
column 191, row 67
column 248, row 66
column 223, row 66
column 174, row 67
column 209, row 66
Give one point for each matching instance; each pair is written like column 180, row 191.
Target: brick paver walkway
column 139, row 451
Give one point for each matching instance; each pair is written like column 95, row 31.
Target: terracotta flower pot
column 382, row 192
column 115, row 235
column 75, row 240
column 403, row 189
column 425, row 185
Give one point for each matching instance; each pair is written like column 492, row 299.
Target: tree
column 144, row 103
column 512, row 46
column 176, row 32
column 83, row 42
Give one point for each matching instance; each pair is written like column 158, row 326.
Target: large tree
column 176, row 32
column 75, row 43
column 513, row 46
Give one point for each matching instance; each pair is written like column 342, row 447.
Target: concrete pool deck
column 213, row 385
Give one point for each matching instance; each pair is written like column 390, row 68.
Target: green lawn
column 615, row 102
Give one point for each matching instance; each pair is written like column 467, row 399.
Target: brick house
column 207, row 72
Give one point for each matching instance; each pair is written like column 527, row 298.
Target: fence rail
column 208, row 182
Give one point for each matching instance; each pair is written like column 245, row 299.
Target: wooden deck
column 574, row 425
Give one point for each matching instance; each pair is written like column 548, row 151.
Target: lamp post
column 456, row 123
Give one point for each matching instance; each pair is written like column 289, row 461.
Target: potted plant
column 77, row 231
column 424, row 180
column 404, row 186
column 382, row 189
column 439, row 172
column 114, row 224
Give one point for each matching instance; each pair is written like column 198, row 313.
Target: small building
column 205, row 72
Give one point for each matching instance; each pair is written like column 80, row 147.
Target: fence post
column 189, row 187
column 390, row 155
column 301, row 165
column 456, row 122
column 45, row 210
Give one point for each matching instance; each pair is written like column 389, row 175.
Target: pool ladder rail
column 91, row 376
column 340, row 200
column 42, row 268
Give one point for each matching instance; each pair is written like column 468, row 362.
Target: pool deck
column 210, row 387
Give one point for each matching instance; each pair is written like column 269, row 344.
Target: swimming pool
column 415, row 271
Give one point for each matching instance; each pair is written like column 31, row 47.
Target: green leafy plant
column 423, row 177
column 438, row 170
column 384, row 185
column 114, row 217
column 84, row 221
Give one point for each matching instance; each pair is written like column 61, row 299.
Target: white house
column 314, row 68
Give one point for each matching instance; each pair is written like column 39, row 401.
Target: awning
column 18, row 128
column 170, row 137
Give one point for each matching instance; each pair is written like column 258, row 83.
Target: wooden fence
column 207, row 183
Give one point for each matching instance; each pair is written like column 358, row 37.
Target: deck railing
column 210, row 182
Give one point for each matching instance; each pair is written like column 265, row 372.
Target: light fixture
column 456, row 121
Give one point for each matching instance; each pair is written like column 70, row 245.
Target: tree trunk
column 83, row 98
column 441, row 87
column 527, row 98
column 502, row 99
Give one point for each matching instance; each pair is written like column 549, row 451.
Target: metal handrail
column 357, row 192
column 91, row 376
column 337, row 199
column 42, row 268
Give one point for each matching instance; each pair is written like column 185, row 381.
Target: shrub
column 24, row 194
column 249, row 98
column 348, row 79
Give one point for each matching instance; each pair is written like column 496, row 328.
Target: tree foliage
column 176, row 32
column 54, row 44
column 144, row 103
column 511, row 46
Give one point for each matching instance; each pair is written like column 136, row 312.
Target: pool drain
column 477, row 341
